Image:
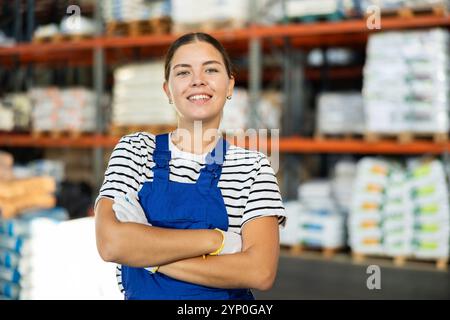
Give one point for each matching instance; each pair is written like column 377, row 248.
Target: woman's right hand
column 232, row 243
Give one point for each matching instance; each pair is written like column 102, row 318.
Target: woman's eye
column 211, row 70
column 182, row 73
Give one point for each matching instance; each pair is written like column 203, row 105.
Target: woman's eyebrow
column 211, row 62
column 182, row 65
column 185, row 65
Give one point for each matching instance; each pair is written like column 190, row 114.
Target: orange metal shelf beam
column 286, row 145
column 228, row 37
column 83, row 141
column 356, row 146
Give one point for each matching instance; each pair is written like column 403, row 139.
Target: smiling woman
column 183, row 213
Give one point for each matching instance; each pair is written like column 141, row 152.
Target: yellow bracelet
column 154, row 269
column 215, row 253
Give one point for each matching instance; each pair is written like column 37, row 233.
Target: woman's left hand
column 128, row 209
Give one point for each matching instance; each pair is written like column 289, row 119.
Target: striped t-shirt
column 248, row 184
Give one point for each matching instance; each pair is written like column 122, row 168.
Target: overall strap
column 210, row 174
column 161, row 157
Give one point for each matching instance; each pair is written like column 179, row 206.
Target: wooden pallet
column 119, row 131
column 299, row 249
column 407, row 137
column 62, row 38
column 339, row 136
column 57, row 133
column 439, row 10
column 138, row 28
column 400, row 261
column 208, row 26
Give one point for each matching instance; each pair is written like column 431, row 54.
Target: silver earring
column 170, row 101
column 229, row 97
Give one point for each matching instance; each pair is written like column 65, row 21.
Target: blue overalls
column 176, row 205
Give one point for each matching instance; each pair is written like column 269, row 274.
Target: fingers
column 120, row 213
column 126, row 212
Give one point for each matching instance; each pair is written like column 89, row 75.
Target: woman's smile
column 199, row 99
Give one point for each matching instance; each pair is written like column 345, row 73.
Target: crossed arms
column 178, row 252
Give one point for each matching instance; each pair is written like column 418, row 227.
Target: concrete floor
column 312, row 277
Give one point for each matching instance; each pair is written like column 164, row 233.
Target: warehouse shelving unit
column 254, row 40
column 292, row 144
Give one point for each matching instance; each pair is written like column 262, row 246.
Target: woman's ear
column 167, row 91
column 230, row 86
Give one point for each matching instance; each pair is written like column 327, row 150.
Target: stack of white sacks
column 138, row 97
column 342, row 184
column 321, row 223
column 312, row 8
column 6, row 118
column 365, row 220
column 134, row 10
column 55, row 109
column 407, row 82
column 315, row 220
column 340, row 113
column 43, row 257
column 397, row 218
column 15, row 112
column 237, row 114
column 386, row 5
column 398, row 211
column 25, row 252
column 188, row 12
column 430, row 204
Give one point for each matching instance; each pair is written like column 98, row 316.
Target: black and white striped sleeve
column 123, row 171
column 264, row 195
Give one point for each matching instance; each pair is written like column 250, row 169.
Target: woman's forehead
column 196, row 52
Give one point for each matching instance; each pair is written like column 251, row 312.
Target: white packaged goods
column 39, row 168
column 290, row 234
column 302, row 8
column 365, row 234
column 77, row 26
column 236, row 111
column 20, row 105
column 6, row 118
column 50, row 249
column 430, row 204
column 397, row 4
column 340, row 113
column 342, row 183
column 406, row 215
column 237, row 114
column 320, row 221
column 138, row 97
column 194, row 11
column 407, row 82
column 134, row 10
column 55, row 109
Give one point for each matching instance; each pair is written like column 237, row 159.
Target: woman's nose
column 197, row 80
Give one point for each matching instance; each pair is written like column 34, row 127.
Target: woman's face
column 198, row 82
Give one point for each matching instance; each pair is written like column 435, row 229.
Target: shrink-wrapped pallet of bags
column 321, row 224
column 407, row 82
column 138, row 97
column 430, row 205
column 365, row 219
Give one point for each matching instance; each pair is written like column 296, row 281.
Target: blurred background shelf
column 286, row 144
column 352, row 32
column 314, row 79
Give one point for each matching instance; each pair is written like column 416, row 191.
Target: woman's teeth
column 199, row 97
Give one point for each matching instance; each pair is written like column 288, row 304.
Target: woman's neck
column 195, row 137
